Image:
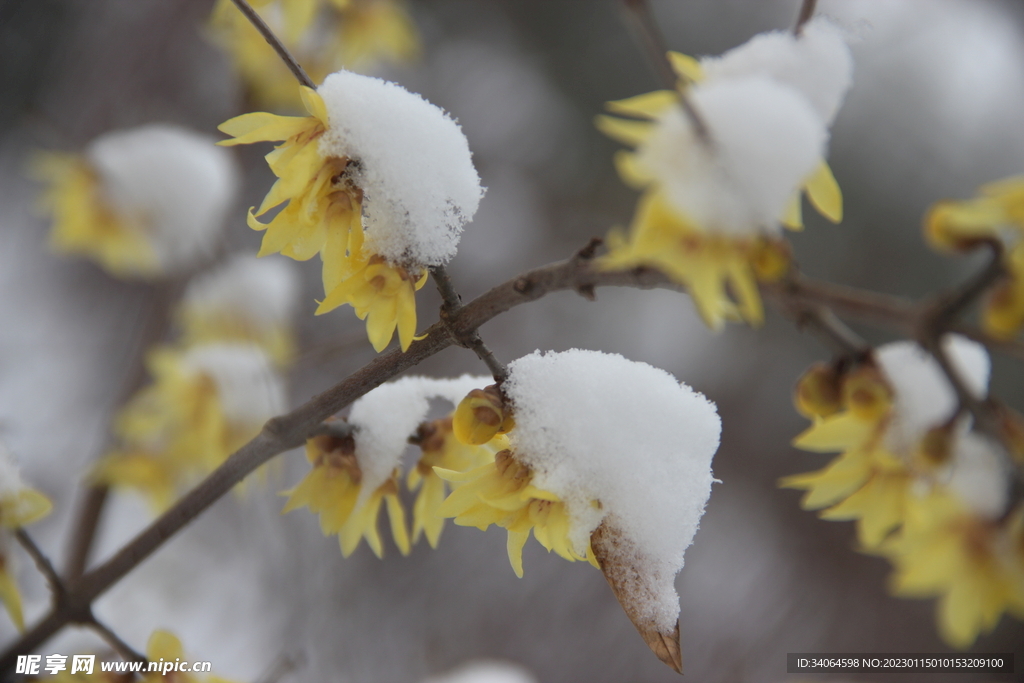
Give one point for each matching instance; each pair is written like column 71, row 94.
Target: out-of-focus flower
column 324, row 36
column 205, row 402
column 440, row 448
column 333, row 490
column 20, row 505
column 973, row 564
column 377, row 181
column 244, row 300
column 142, row 203
column 562, row 475
column 713, row 201
column 995, row 215
column 165, row 648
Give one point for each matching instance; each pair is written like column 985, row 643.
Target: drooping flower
column 615, row 477
column 243, row 300
column 142, row 203
column 205, row 402
column 710, row 214
column 897, row 428
column 973, row 564
column 377, row 181
column 20, row 505
column 333, row 490
column 440, row 448
column 995, row 215
column 324, row 36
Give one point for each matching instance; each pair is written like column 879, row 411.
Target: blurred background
column 935, row 111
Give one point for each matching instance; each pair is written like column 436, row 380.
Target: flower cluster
column 925, row 491
column 142, row 203
column 20, row 505
column 212, row 391
column 324, row 35
column 997, row 216
column 378, row 182
column 720, row 174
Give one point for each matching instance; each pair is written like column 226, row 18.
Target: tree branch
column 473, row 341
column 806, row 12
column 122, row 648
column 42, row 562
column 274, row 42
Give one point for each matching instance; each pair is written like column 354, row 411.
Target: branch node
column 523, row 285
column 590, row 250
column 587, row 292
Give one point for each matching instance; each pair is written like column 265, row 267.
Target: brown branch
column 274, row 42
column 472, row 340
column 43, row 564
column 645, row 29
column 806, row 12
column 122, row 648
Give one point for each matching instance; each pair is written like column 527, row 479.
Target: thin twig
column 114, row 641
column 806, row 12
column 43, row 564
column 274, row 42
column 451, row 306
column 642, row 23
column 85, row 530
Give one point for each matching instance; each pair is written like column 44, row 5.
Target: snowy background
column 935, row 110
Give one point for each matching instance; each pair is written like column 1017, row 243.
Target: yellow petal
column 164, row 645
column 396, row 515
column 515, row 543
column 314, row 104
column 649, row 105
column 11, row 598
column 792, row 216
column 835, row 433
column 686, row 67
column 623, row 130
column 824, row 193
column 261, row 127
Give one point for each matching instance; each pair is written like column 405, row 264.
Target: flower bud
column 481, row 416
column 819, row 391
column 866, row 393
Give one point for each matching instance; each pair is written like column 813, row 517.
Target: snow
column 923, row 397
column 175, row 185
column 415, row 167
column 766, row 139
column 598, row 427
column 250, row 391
column 386, row 417
column 10, row 474
column 979, row 475
column 485, row 671
column 261, row 291
column 818, row 63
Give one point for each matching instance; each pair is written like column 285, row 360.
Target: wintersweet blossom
column 925, row 491
column 712, row 205
column 617, row 478
column 20, row 505
column 142, row 203
column 995, row 215
column 164, row 646
column 205, row 402
column 377, row 181
column 324, row 36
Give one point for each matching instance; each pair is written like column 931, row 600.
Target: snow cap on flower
column 596, row 427
column 386, row 417
column 765, row 140
column 923, row 397
column 817, row 63
column 249, row 389
column 243, row 299
column 414, row 167
column 174, row 185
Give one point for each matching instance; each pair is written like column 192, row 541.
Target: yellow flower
column 502, row 493
column 323, row 35
column 164, row 647
column 440, row 449
column 204, row 404
column 996, row 214
column 481, row 416
column 718, row 271
column 84, row 221
column 381, row 294
column 332, row 490
column 324, row 216
column 973, row 565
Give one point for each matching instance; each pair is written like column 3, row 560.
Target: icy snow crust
column 386, row 417
column 596, row 426
column 173, row 184
column 262, row 291
column 415, row 167
column 818, row 63
column 250, row 391
column 923, row 399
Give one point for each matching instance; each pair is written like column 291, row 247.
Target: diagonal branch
column 274, row 42
column 473, row 341
column 806, row 12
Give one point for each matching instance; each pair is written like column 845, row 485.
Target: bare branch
column 472, row 340
column 119, row 646
column 806, row 12
column 43, row 564
column 268, row 35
